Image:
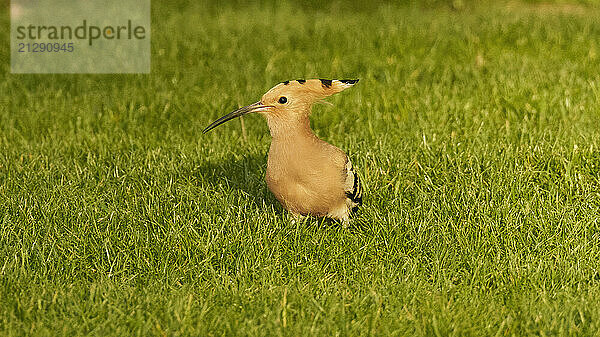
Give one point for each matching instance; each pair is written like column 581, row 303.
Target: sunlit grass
column 476, row 132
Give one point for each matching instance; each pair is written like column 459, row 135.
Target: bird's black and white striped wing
column 352, row 187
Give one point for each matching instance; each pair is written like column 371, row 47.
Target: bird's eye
column 282, row 100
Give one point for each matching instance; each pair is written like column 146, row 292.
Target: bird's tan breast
column 306, row 177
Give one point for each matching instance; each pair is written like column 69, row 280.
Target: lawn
column 475, row 129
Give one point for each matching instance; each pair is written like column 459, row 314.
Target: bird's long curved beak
column 254, row 107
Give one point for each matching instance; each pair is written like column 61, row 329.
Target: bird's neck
column 290, row 128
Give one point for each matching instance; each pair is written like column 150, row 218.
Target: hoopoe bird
column 306, row 174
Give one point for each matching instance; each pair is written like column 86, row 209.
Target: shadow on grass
column 247, row 174
column 239, row 173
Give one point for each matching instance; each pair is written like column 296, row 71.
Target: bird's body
column 306, row 174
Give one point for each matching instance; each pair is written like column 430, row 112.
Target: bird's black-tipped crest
column 286, row 82
column 301, row 81
column 326, row 83
column 349, row 81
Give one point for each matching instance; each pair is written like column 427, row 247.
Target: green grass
column 476, row 132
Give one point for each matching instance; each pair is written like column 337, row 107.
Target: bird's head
column 289, row 100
